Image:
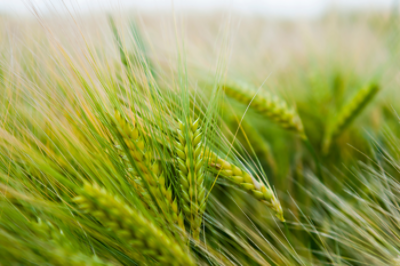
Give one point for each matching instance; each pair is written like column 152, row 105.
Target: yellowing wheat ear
column 271, row 106
column 243, row 179
column 136, row 232
column 191, row 175
column 348, row 113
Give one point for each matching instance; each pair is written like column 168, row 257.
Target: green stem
column 287, row 233
column 315, row 156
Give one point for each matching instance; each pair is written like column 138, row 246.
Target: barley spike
column 150, row 171
column 131, row 227
column 245, row 181
column 348, row 113
column 60, row 253
column 191, row 175
column 266, row 104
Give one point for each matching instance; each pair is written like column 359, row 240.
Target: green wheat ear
column 348, row 113
column 60, row 252
column 136, row 232
column 151, row 172
column 191, row 174
column 245, row 181
column 271, row 106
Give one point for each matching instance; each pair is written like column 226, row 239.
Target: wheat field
column 193, row 139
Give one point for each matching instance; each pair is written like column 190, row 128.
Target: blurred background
column 283, row 8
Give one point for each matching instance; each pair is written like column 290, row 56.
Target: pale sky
column 284, row 8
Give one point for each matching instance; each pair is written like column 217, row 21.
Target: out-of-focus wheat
column 348, row 113
column 271, row 106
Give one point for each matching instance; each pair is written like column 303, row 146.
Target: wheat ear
column 243, row 179
column 191, row 175
column 131, row 227
column 151, row 172
column 271, row 106
column 348, row 113
column 60, row 253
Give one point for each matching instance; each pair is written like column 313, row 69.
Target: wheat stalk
column 271, row 106
column 131, row 227
column 245, row 181
column 348, row 113
column 151, row 172
column 191, row 176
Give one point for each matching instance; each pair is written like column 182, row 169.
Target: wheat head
column 60, row 253
column 348, row 113
column 245, row 181
column 131, row 227
column 271, row 106
column 191, row 174
column 151, row 171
